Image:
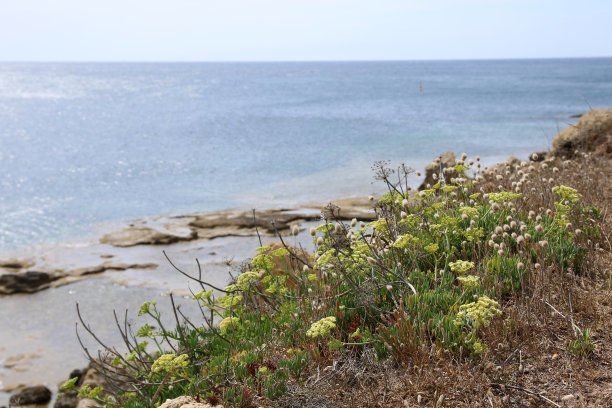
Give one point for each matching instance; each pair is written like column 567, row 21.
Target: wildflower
column 203, row 295
column 320, row 241
column 371, row 260
column 537, row 266
column 527, row 237
column 371, row 198
column 305, row 268
column 506, row 227
column 295, row 230
column 227, row 323
column 578, row 232
column 503, row 196
column 68, row 385
column 520, row 265
column 338, row 229
column 520, row 239
column 403, row 215
column 353, row 222
column 543, row 244
column 145, row 307
column 389, row 288
column 431, row 248
column 145, row 331
column 313, row 231
column 461, row 266
column 534, row 157
column 539, row 228
column 469, row 282
column 480, row 312
column 169, row 363
column 322, row 327
column 499, row 230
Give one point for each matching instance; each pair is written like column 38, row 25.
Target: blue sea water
column 84, row 143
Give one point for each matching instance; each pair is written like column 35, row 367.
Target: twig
column 514, row 387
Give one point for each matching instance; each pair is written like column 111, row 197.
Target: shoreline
column 126, row 246
column 220, row 230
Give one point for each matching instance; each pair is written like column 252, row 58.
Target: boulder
column 27, row 282
column 593, row 130
column 37, row 394
column 448, row 161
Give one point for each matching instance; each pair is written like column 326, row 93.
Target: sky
column 292, row 30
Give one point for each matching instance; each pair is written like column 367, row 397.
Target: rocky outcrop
column 437, row 166
column 592, row 132
column 37, row 394
column 237, row 220
column 142, row 235
column 27, row 282
column 186, row 402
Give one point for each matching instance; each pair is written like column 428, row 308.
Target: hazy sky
column 250, row 30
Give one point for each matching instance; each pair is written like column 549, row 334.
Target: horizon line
column 294, row 61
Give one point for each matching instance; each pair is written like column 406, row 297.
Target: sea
column 85, row 145
column 88, row 143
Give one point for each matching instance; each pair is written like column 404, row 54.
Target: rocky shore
column 122, row 249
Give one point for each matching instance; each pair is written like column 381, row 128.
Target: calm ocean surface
column 82, row 144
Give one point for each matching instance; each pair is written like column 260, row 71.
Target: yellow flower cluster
column 431, row 248
column 461, row 266
column 503, row 196
column 322, row 327
column 469, row 211
column 228, row 322
column 480, row 312
column 246, row 280
column 469, row 282
column 170, row 362
column 567, row 194
column 404, row 241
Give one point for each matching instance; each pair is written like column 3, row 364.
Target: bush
column 430, row 274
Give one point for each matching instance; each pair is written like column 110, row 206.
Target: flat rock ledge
column 33, row 281
column 168, row 230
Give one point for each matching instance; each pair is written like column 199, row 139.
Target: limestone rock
column 244, row 220
column 38, row 394
column 186, row 402
column 141, row 235
column 448, row 161
column 27, row 282
column 594, row 129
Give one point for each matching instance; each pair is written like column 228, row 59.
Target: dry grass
column 529, row 362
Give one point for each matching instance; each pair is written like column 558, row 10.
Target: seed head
column 320, row 241
column 404, row 203
column 353, row 222
column 313, row 231
column 534, row 157
column 295, row 230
